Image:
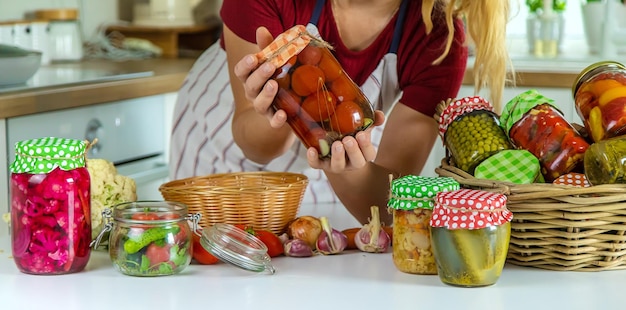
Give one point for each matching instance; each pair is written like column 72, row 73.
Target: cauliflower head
column 108, row 188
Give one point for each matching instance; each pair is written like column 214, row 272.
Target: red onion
column 371, row 237
column 297, row 248
column 330, row 241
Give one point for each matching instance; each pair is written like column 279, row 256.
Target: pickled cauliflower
column 108, row 188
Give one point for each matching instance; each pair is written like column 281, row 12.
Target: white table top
column 351, row 280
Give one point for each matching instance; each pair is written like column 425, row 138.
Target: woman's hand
column 259, row 88
column 351, row 153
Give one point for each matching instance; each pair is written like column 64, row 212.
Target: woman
column 406, row 55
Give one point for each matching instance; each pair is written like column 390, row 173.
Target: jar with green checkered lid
column 534, row 123
column 412, row 201
column 50, row 206
column 471, row 131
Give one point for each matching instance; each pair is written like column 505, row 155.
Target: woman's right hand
column 259, row 88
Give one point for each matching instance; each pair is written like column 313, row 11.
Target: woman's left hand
column 351, row 153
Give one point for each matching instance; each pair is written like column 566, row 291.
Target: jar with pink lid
column 470, row 233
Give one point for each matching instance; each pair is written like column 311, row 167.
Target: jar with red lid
column 321, row 101
column 533, row 123
column 471, row 131
column 50, row 206
column 600, row 97
column 470, row 231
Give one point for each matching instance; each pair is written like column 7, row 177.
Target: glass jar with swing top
column 321, row 101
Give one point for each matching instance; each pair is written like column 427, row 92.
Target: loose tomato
column 348, row 118
column 307, row 79
column 199, row 254
column 271, row 241
column 320, row 105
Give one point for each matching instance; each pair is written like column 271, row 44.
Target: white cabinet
column 562, row 98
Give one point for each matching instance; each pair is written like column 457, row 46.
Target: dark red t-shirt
column 424, row 85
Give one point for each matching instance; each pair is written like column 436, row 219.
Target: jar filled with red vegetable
column 322, row 103
column 50, row 206
column 534, row 124
column 600, row 96
column 471, row 131
column 412, row 200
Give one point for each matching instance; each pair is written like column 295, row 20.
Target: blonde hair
column 485, row 21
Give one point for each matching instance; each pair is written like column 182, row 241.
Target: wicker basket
column 560, row 227
column 264, row 200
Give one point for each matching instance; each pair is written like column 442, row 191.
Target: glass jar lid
column 236, row 247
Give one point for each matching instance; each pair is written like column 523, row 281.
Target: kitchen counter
column 351, row 280
column 164, row 76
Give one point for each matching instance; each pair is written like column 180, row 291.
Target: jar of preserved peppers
column 50, row 206
column 470, row 232
column 533, row 123
column 604, row 161
column 471, row 131
column 322, row 103
column 149, row 238
column 412, row 200
column 600, row 97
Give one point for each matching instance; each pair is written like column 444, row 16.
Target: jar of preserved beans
column 533, row 123
column 50, row 206
column 322, row 103
column 149, row 238
column 412, row 201
column 600, row 97
column 604, row 161
column 470, row 232
column 471, row 131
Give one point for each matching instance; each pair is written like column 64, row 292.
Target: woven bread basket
column 559, row 227
column 264, row 200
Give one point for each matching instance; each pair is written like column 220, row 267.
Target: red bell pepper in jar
column 600, row 97
column 534, row 124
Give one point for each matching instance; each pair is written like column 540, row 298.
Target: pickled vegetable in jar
column 321, row 101
column 50, row 206
column 412, row 201
column 605, row 161
column 471, row 131
column 600, row 97
column 470, row 231
column 149, row 238
column 533, row 123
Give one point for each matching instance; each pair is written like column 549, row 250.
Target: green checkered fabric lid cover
column 412, row 191
column 43, row 155
column 515, row 166
column 515, row 109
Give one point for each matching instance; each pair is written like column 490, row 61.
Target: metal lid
column 236, row 247
column 592, row 69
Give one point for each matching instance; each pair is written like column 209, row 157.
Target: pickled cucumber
column 474, row 137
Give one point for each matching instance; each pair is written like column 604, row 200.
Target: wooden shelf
column 175, row 38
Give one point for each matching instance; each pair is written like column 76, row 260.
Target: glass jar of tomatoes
column 470, row 131
column 322, row 103
column 600, row 97
column 50, row 206
column 149, row 238
column 534, row 124
column 470, row 231
column 412, row 201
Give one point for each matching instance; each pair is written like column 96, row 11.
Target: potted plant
column 535, row 11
